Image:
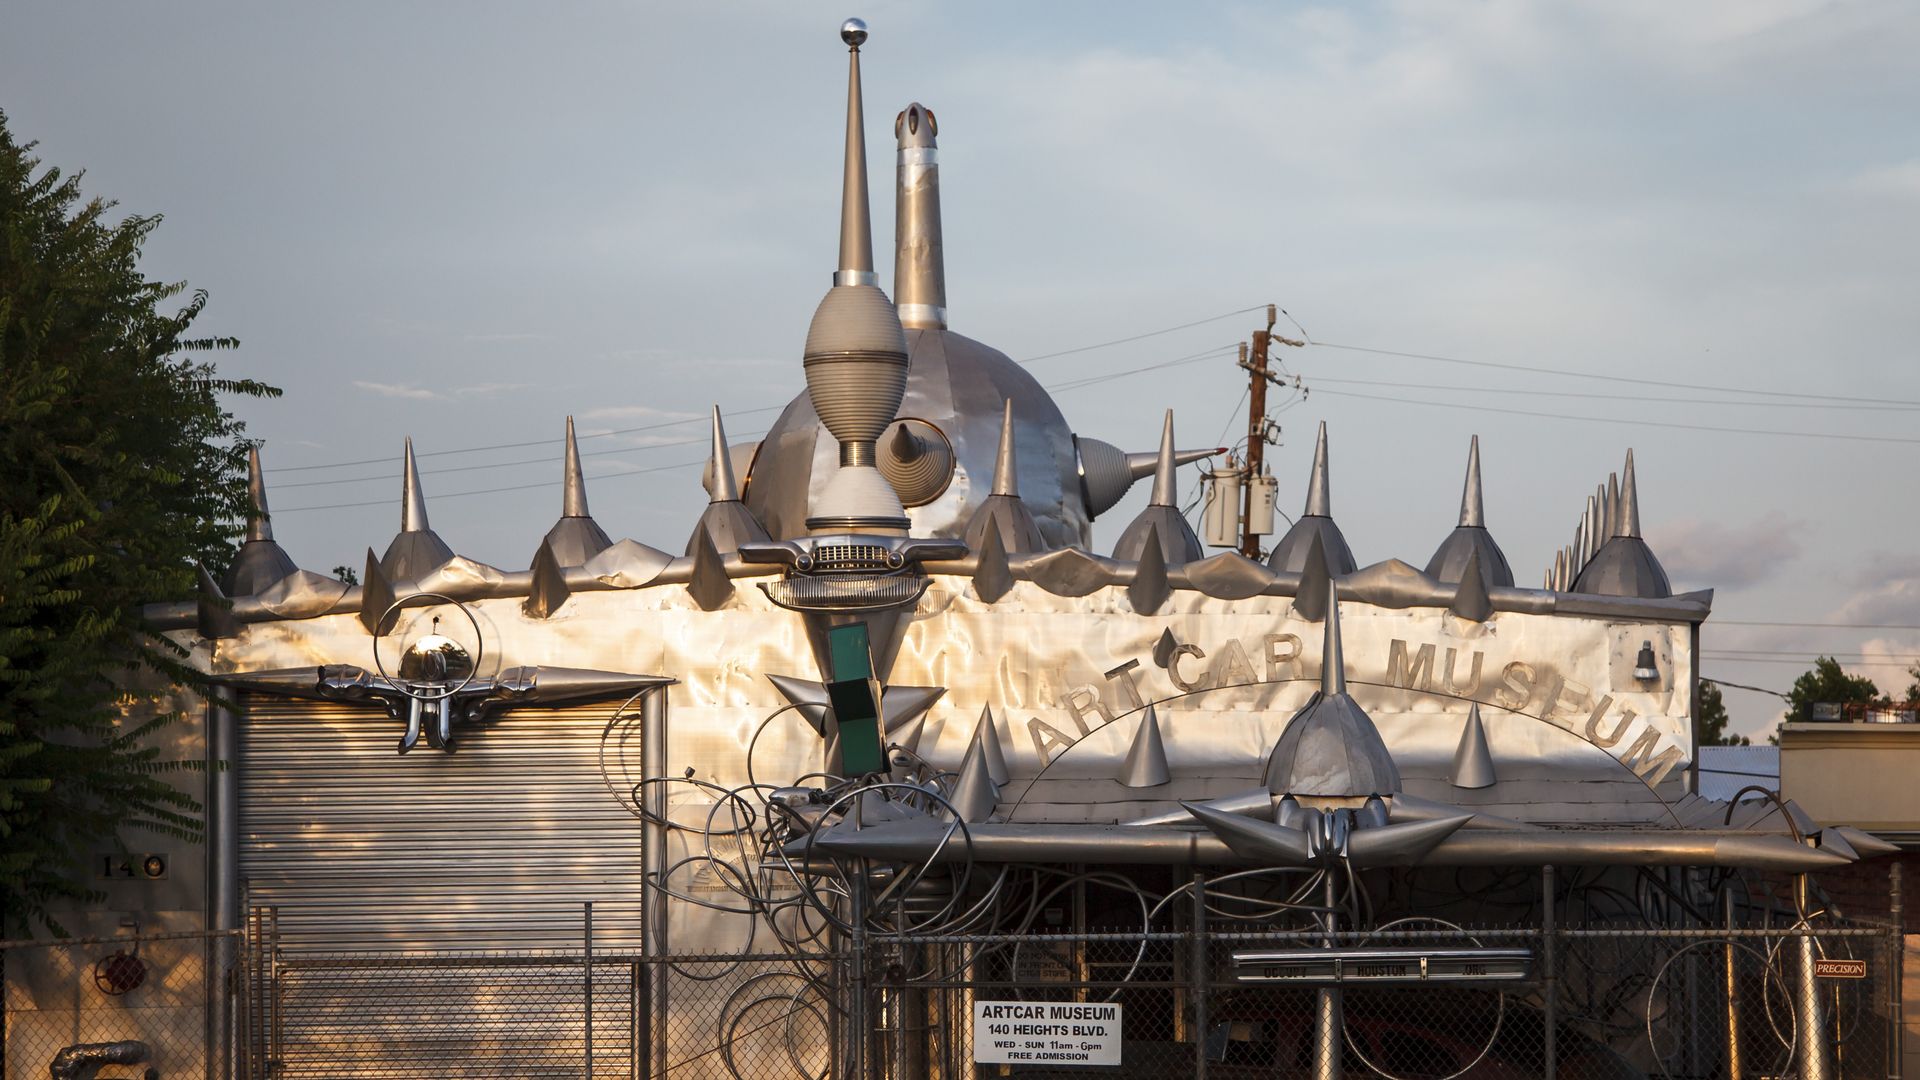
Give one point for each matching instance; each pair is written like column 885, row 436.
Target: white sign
column 1050, row 1032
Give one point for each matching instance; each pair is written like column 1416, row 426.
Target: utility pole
column 1258, row 377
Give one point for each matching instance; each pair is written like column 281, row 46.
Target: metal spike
column 1629, row 501
column 259, row 526
column 992, row 578
column 1472, row 760
column 213, row 612
column 1580, row 550
column 1316, row 583
column 725, row 487
column 1149, row 588
column 709, row 586
column 376, row 596
column 413, row 501
column 976, row 793
column 1472, row 511
column 1166, row 490
column 986, row 734
column 1333, row 664
column 903, row 705
column 1006, row 477
column 548, row 590
column 573, row 495
column 1250, row 838
column 1319, row 493
column 1470, row 599
column 1164, row 647
column 856, row 223
column 1146, row 763
column 1614, row 513
column 807, row 696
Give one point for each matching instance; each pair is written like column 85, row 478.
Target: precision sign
column 1046, row 1032
column 1840, row 969
column 1334, row 967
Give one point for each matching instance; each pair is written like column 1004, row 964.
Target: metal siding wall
column 495, row 846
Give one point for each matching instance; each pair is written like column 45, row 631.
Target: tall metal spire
column 856, row 222
column 1006, row 474
column 1166, row 491
column 1319, row 494
column 919, row 259
column 725, row 487
column 1472, row 512
column 573, row 497
column 259, row 527
column 413, row 501
column 856, row 352
column 1333, row 662
column 1629, row 502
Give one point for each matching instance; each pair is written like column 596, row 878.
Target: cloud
column 488, row 389
column 1719, row 555
column 395, row 390
column 1900, row 180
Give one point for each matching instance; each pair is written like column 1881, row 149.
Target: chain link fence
column 1413, row 1000
column 135, row 1006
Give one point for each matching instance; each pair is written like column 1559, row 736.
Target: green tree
column 122, row 471
column 1827, row 682
column 1713, row 718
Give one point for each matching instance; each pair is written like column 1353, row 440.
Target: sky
column 1570, row 228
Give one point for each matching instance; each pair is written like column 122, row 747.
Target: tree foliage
column 1713, row 718
column 1828, row 682
column 121, row 471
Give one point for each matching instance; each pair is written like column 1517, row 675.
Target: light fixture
column 1645, row 667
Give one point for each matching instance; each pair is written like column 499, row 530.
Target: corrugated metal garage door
column 495, row 846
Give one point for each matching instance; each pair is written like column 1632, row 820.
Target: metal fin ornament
column 1149, row 588
column 986, row 736
column 417, row 550
column 1253, row 839
column 213, row 612
column 376, row 596
column 260, row 563
column 413, row 501
column 1316, row 583
column 1614, row 504
column 992, row 577
column 548, row 590
column 1472, row 760
column 1166, row 490
column 709, row 586
column 1470, row 600
column 975, row 793
column 1333, row 659
column 725, row 487
column 726, row 523
column 576, row 537
column 807, row 696
column 1629, row 502
column 1146, row 762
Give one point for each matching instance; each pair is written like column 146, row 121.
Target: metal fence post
column 1896, row 971
column 1197, row 977
column 1549, row 975
column 637, row 1033
column 586, row 968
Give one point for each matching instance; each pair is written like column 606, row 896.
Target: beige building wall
column 1854, row 774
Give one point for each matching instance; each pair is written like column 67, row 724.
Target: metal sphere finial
column 854, row 32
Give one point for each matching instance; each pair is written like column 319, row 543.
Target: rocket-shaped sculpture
column 856, row 352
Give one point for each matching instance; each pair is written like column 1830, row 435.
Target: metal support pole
column 223, row 885
column 586, row 970
column 1549, row 976
column 653, row 766
column 1328, row 1018
column 1197, row 975
column 1812, row 1041
column 1896, row 970
column 637, row 1026
column 1735, row 1069
column 859, row 1026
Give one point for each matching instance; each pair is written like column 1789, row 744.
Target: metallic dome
column 962, row 387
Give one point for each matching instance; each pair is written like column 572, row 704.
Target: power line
column 548, row 460
column 1640, row 398
column 1139, row 337
column 1633, row 423
column 1610, row 378
column 518, row 445
column 1091, row 380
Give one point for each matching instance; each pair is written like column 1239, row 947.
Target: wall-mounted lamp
column 1645, row 667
